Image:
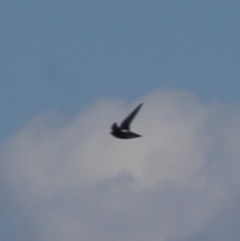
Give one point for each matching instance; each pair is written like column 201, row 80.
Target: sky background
column 68, row 69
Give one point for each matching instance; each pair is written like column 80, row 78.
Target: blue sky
column 63, row 63
column 62, row 55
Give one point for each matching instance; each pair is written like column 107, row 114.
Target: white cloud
column 70, row 180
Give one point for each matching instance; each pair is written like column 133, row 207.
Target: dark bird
column 123, row 131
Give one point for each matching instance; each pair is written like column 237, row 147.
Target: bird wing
column 127, row 121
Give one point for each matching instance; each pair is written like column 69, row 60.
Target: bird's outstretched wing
column 125, row 125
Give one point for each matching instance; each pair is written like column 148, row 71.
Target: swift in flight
column 123, row 131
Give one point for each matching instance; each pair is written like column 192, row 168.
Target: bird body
column 123, row 131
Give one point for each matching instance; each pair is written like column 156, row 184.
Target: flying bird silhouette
column 123, row 131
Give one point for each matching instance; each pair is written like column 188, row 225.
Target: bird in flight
column 123, row 131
